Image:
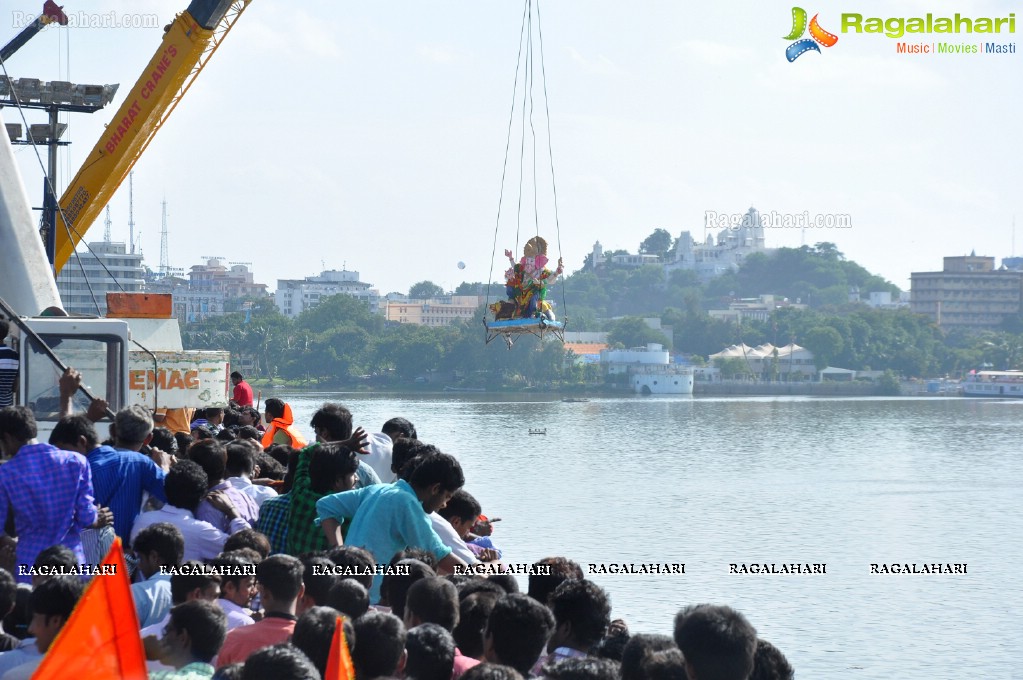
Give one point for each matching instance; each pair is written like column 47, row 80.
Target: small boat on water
column 1005, row 384
column 538, row 430
column 573, row 400
column 449, row 388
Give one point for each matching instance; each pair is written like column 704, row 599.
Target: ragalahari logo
column 817, row 35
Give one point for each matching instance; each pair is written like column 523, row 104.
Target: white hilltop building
column 714, row 256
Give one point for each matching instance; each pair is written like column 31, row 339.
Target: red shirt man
column 242, row 390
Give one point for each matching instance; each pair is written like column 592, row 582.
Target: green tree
column 825, row 343
column 634, row 332
column 424, row 290
column 657, row 243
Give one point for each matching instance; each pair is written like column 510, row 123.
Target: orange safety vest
column 285, row 423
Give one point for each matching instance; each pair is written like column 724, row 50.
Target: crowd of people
column 247, row 546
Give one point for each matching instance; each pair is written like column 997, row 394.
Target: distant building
column 968, row 293
column 768, row 362
column 233, row 283
column 439, row 311
column 294, row 296
column 101, row 258
column 755, row 309
column 714, row 256
column 189, row 305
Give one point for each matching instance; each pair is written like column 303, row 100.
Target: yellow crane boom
column 188, row 43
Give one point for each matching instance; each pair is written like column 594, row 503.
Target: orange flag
column 100, row 640
column 339, row 663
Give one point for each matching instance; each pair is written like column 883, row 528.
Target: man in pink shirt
column 279, row 580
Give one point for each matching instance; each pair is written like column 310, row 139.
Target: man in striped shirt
column 8, row 367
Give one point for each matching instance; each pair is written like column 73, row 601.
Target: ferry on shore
column 1004, row 384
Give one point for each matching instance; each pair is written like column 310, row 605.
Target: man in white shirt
column 237, row 588
column 380, row 443
column 185, row 486
column 241, row 465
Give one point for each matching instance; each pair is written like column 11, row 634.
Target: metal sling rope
column 540, row 325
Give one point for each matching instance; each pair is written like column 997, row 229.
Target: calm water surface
column 710, row 482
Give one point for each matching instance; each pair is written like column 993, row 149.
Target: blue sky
column 371, row 135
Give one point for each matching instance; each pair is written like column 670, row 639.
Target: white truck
column 137, row 360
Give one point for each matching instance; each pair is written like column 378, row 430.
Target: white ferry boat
column 1006, row 384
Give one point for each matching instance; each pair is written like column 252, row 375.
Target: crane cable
column 527, row 68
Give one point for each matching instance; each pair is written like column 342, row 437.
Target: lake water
column 713, row 482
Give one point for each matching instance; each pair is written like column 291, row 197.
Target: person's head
column 159, row 545
column 395, row 586
column 431, row 600
column 770, row 664
column 359, row 560
column 279, row 579
column 582, row 612
column 399, row 428
column 273, row 408
column 225, row 436
column 318, row 578
column 238, row 578
column 8, row 593
column 184, row 440
column 561, row 569
column 380, row 645
column 194, row 581
column 248, row 538
column 279, row 661
column 332, row 469
column 211, row 457
column 185, row 485
column 506, row 582
column 430, row 653
column 314, row 633
column 51, row 603
column 405, row 451
column 461, row 512
column 717, row 642
column 201, row 432
column 75, row 433
column 491, row 671
column 17, row 428
column 236, row 377
column 435, row 480
column 54, row 559
column 249, row 417
column 479, row 584
column 583, row 668
column 331, row 423
column 164, row 440
column 348, row 597
column 516, row 632
column 667, row 664
column 473, row 612
column 638, row 648
column 194, row 633
column 134, row 427
column 241, row 459
column 249, row 433
column 214, row 415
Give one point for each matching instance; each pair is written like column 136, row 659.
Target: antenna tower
column 131, row 212
column 164, row 256
column 106, row 227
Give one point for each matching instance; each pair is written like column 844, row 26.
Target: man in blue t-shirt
column 387, row 518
